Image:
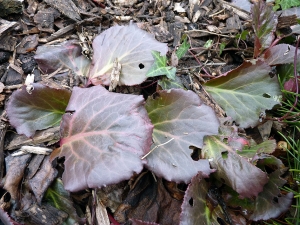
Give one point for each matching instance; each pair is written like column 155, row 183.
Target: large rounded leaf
column 131, row 47
column 180, row 120
column 39, row 110
column 104, row 135
column 245, row 92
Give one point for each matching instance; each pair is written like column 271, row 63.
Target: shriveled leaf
column 180, row 120
column 103, row 137
column 195, row 209
column 237, row 172
column 67, row 55
column 264, row 22
column 58, row 197
column 160, row 67
column 245, row 92
column 39, row 110
column 132, row 48
column 183, row 48
column 42, row 179
column 166, row 83
column 280, row 54
column 270, row 203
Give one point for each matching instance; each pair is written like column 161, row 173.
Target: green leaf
column 208, row 44
column 160, row 67
column 180, row 120
column 39, row 110
column 222, row 47
column 199, row 211
column 183, row 48
column 59, row 198
column 236, row 171
column 245, row 92
column 166, row 83
column 242, row 35
column 286, row 4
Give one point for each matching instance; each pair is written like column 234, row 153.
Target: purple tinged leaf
column 180, row 120
column 131, row 46
column 237, row 172
column 280, row 54
column 67, row 55
column 264, row 25
column 270, row 203
column 103, row 137
column 245, row 92
column 194, row 207
column 291, row 85
column 41, row 109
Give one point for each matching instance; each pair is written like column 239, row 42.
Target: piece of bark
column 4, row 56
column 13, row 77
column 66, row 7
column 34, row 166
column 3, row 129
column 44, row 20
column 58, row 33
column 28, row 44
column 6, row 26
column 161, row 34
column 176, row 30
column 8, row 43
column 286, row 21
column 10, row 6
column 49, row 135
column 240, row 12
column 43, row 215
column 28, row 63
column 32, row 6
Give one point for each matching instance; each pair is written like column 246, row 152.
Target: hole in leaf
column 191, row 202
column 141, row 66
column 196, row 153
column 225, row 155
column 266, row 95
column 220, row 221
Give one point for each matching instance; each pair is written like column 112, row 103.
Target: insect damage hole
column 141, row 66
column 191, row 202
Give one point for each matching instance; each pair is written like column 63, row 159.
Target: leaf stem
column 156, row 148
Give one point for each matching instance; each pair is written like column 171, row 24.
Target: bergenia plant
column 106, row 137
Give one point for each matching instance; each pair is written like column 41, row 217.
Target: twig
column 156, row 148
